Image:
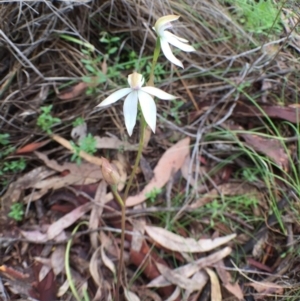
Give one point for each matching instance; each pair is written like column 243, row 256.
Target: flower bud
column 110, row 173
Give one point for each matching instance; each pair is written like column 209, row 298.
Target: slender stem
column 123, row 219
column 138, row 157
column 154, row 61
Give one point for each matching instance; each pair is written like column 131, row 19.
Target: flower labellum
column 166, row 38
column 136, row 93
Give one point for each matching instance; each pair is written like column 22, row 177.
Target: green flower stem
column 138, row 157
column 123, row 219
column 154, row 61
column 67, row 264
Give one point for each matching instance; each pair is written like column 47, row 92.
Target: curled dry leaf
column 178, row 279
column 170, row 162
column 175, row 294
column 63, row 288
column 188, row 176
column 178, row 243
column 97, row 209
column 107, row 261
column 29, row 180
column 201, row 278
column 267, row 288
column 45, row 269
column 67, row 220
column 215, row 285
column 58, row 259
column 130, row 296
column 73, row 92
column 228, row 189
column 39, row 237
column 93, row 267
column 191, row 268
column 227, row 280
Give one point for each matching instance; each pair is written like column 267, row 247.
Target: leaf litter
column 185, row 152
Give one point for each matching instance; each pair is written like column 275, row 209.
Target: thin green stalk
column 154, row 61
column 138, row 157
column 123, row 219
column 67, row 263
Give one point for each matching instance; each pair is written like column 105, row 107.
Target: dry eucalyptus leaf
column 130, row 296
column 67, row 220
column 267, row 288
column 178, row 243
column 170, row 162
column 63, row 288
column 94, row 270
column 201, row 278
column 97, row 209
column 177, row 279
column 44, row 272
column 191, row 268
column 58, row 259
column 107, row 261
column 227, row 280
column 216, row 294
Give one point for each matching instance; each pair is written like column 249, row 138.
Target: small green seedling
column 87, row 144
column 16, row 211
column 14, row 166
column 4, row 139
column 78, row 121
column 153, row 194
column 46, row 121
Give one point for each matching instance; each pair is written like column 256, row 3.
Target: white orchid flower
column 167, row 38
column 134, row 94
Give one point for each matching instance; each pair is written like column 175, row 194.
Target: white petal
column 158, row 93
column 114, row 97
column 148, row 107
column 177, row 42
column 130, row 111
column 178, row 38
column 168, row 53
column 164, row 22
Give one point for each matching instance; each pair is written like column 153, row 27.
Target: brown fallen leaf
column 227, row 280
column 130, row 296
column 191, row 268
column 31, row 147
column 178, row 243
column 170, row 162
column 67, row 220
column 58, row 259
column 188, row 176
column 73, row 91
column 227, row 189
column 97, row 209
column 266, row 288
column 26, row 181
column 178, row 279
column 272, row 148
column 94, row 268
column 215, row 285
